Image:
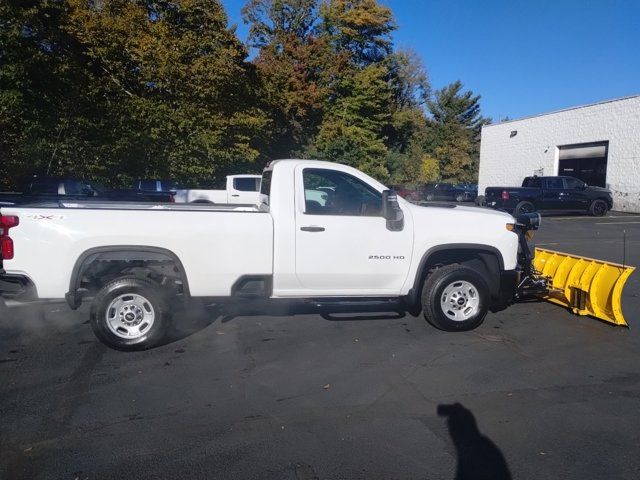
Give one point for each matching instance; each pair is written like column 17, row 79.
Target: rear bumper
column 17, row 287
column 509, row 280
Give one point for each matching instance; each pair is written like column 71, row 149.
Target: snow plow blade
column 584, row 285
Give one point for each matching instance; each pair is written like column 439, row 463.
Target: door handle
column 235, row 195
column 312, row 229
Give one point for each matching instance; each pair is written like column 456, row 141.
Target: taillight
column 505, row 195
column 6, row 243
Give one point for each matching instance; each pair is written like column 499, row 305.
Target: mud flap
column 584, row 285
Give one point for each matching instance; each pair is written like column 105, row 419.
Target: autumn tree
column 123, row 88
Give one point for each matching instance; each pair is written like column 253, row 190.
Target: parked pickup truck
column 241, row 190
column 323, row 232
column 43, row 189
column 550, row 194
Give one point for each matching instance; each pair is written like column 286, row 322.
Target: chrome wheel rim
column 130, row 316
column 460, row 301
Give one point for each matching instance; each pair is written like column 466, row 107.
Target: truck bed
column 216, row 244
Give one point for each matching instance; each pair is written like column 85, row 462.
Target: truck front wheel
column 130, row 313
column 455, row 298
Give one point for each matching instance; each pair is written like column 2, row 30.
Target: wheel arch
column 485, row 258
column 120, row 253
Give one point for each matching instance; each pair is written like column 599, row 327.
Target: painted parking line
column 589, row 218
column 616, row 223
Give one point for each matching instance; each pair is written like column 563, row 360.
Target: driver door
column 343, row 246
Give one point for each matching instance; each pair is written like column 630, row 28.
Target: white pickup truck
column 322, row 231
column 240, row 190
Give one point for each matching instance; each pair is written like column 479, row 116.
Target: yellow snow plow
column 584, row 285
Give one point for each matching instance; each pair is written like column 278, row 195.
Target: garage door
column 586, row 161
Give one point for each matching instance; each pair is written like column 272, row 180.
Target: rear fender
column 125, row 253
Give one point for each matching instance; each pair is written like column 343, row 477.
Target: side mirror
column 391, row 211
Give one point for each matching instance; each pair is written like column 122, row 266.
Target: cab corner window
column 246, row 184
column 330, row 192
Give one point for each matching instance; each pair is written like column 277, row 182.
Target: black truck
column 46, row 189
column 550, row 194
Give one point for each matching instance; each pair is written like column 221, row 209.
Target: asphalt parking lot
column 241, row 393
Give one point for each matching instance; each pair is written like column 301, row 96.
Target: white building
column 599, row 143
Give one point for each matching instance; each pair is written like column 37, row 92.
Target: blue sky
column 523, row 56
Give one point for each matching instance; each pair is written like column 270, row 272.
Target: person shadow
column 478, row 457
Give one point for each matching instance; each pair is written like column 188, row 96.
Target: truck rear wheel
column 524, row 207
column 455, row 298
column 130, row 313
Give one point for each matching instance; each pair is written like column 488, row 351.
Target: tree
column 451, row 105
column 453, row 133
column 362, row 27
column 351, row 131
column 124, row 88
column 180, row 77
column 274, row 22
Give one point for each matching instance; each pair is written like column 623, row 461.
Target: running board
column 384, row 304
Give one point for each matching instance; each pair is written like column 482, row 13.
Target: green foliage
column 361, row 27
column 453, row 136
column 452, row 106
column 118, row 89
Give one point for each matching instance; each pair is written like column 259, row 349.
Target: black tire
column 598, row 208
column 137, row 288
column 433, row 295
column 524, row 207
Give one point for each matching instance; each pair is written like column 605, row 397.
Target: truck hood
column 441, row 225
column 598, row 189
column 472, row 214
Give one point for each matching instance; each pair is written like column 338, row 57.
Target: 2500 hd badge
column 386, row 257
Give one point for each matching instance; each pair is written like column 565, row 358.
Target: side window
column 246, row 184
column 554, row 183
column 73, row 187
column 532, row 182
column 47, row 186
column 573, row 183
column 148, row 185
column 166, row 186
column 330, row 192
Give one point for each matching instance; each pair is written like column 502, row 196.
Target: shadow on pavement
column 478, row 457
column 198, row 317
